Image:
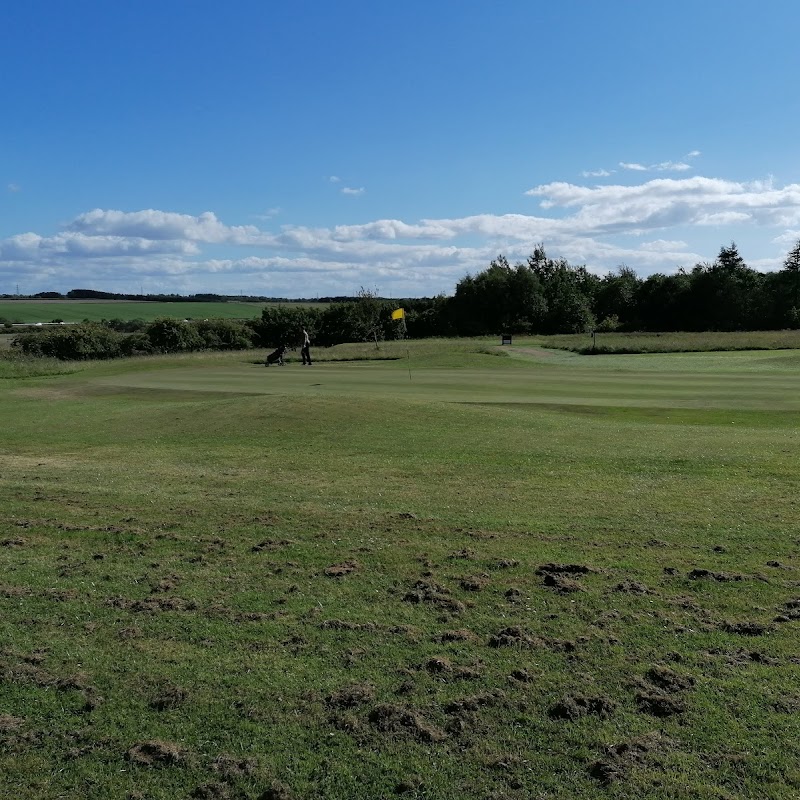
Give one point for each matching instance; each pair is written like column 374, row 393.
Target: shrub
column 77, row 343
column 169, row 335
column 224, row 334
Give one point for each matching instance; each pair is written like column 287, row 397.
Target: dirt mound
column 167, row 698
column 346, row 625
column 156, row 753
column 475, row 583
column 152, row 604
column 434, row 594
column 631, row 587
column 562, row 584
column 230, row 768
column 212, row 791
column 390, row 718
column 564, row 569
column 351, row 696
column 512, row 636
column 9, row 724
column 745, row 628
column 572, row 707
column 270, row 544
column 471, row 704
column 340, row 570
column 619, row 759
column 660, row 705
column 461, row 635
column 707, row 574
column 668, row 680
column 277, row 791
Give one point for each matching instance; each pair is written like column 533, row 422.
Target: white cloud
column 351, row 191
column 655, row 225
column 14, row 187
column 269, row 213
column 671, row 166
column 693, row 154
column 597, row 173
column 661, row 166
column 334, row 179
column 151, row 224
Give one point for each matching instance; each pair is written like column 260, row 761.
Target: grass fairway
column 508, row 573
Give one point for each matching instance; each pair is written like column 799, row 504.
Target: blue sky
column 310, row 148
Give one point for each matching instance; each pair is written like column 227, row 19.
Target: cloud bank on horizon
column 658, row 225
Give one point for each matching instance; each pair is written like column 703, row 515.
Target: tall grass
column 675, row 342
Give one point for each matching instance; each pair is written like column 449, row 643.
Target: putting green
column 735, row 381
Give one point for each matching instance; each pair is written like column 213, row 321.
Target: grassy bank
column 449, row 575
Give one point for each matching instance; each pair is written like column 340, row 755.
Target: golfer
column 305, row 349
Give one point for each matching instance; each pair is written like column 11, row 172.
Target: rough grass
column 677, row 342
column 355, row 590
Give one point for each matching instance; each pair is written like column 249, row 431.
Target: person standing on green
column 305, row 349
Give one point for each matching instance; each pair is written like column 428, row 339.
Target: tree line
column 541, row 295
column 544, row 295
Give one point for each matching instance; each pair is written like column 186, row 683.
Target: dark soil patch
column 504, row 563
column 461, row 635
column 17, row 541
column 465, row 553
column 10, row 724
column 438, row 666
column 742, row 656
column 277, row 791
column 562, row 584
column 346, row 625
column 572, row 707
column 707, row 574
column 434, row 594
column 631, row 587
column 340, row 570
column 473, row 703
column 15, row 591
column 271, row 544
column 152, row 604
column 168, row 697
column 358, row 694
column 619, row 759
column 475, row 583
column 564, row 569
column 787, row 705
column 660, row 705
column 156, row 753
column 668, row 680
column 165, row 585
column 746, row 628
column 522, row 675
column 512, row 636
column 230, row 768
column 212, row 791
column 390, row 718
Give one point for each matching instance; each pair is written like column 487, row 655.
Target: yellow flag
column 399, row 314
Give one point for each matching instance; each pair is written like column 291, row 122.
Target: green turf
column 296, row 579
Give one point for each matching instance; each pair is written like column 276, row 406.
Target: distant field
column 471, row 572
column 79, row 310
